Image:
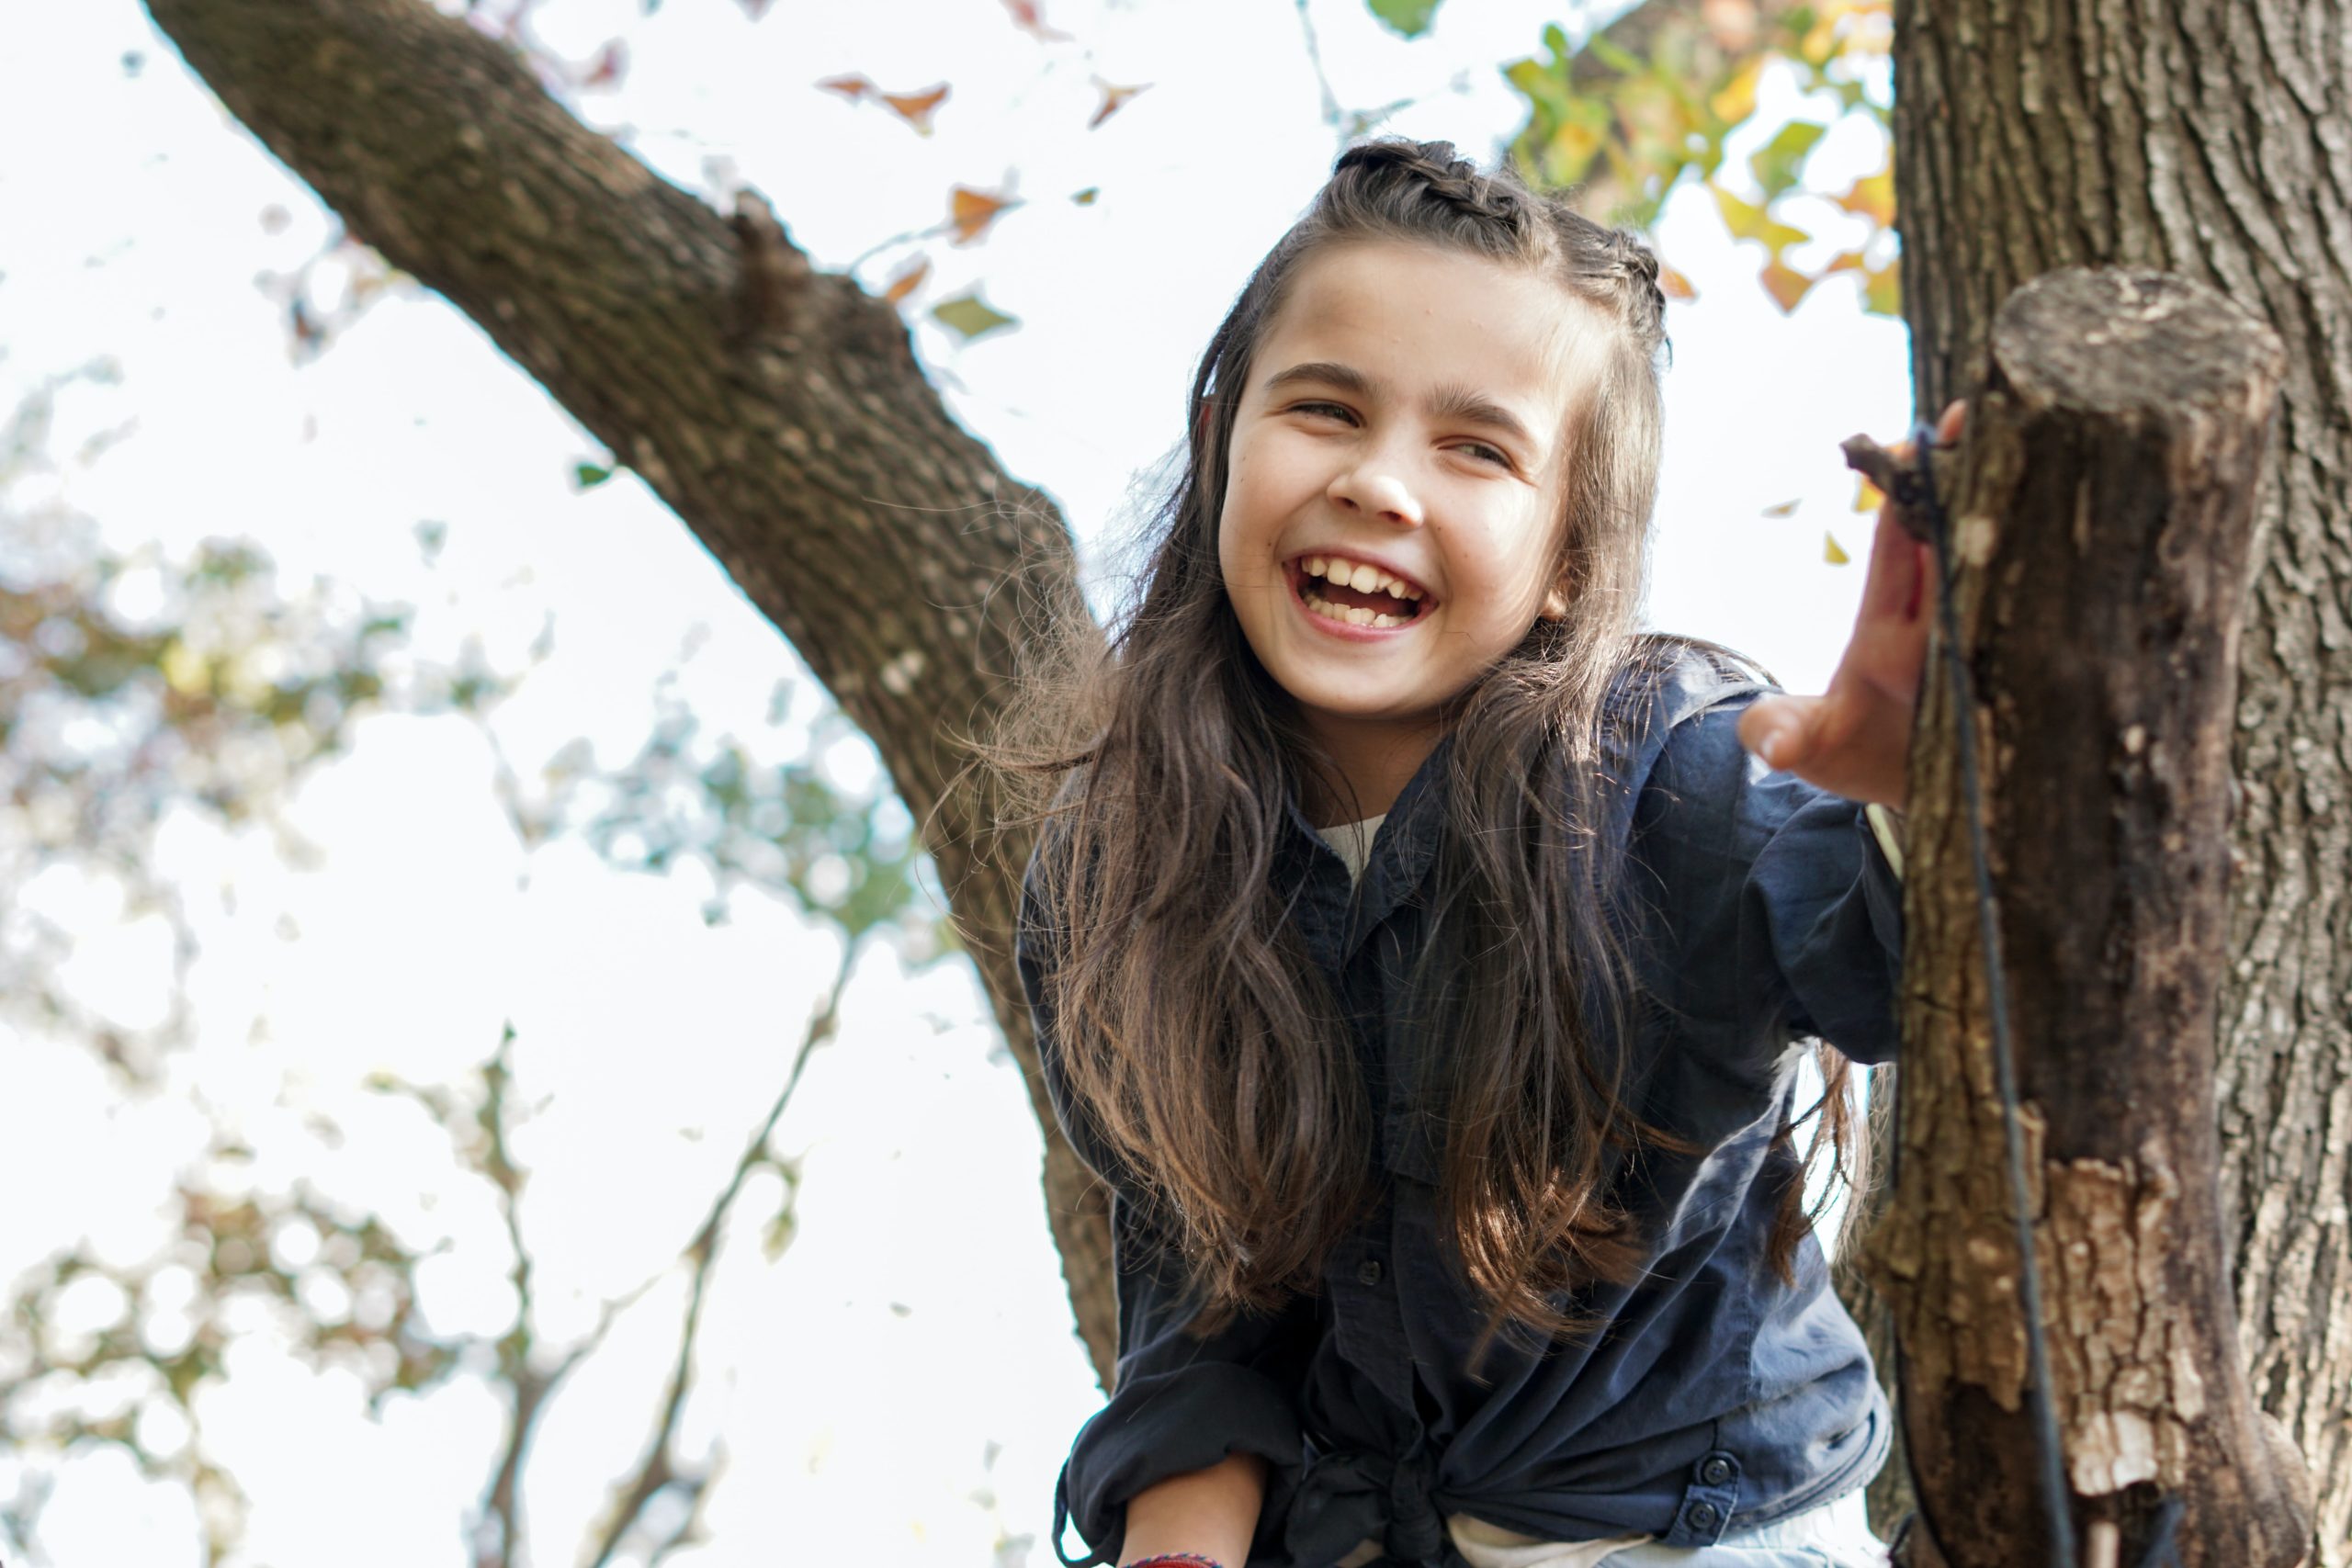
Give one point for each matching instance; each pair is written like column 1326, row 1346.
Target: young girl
column 1421, row 959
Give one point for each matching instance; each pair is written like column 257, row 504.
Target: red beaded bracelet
column 1176, row 1560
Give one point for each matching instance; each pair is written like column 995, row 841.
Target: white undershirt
column 1352, row 842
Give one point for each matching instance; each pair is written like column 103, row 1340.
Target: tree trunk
column 2101, row 530
column 780, row 411
column 2211, row 139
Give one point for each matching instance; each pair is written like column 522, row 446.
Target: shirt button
column 1715, row 1471
column 1702, row 1516
column 1368, row 1271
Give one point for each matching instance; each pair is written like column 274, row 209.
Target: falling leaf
column 916, row 108
column 1785, row 509
column 850, row 88
column 588, row 476
column 967, row 318
column 1086, row 198
column 1030, row 18
column 971, row 211
column 1787, row 285
column 1674, row 286
column 1830, row 551
column 1868, row 497
column 907, row 279
column 1114, row 100
column 1409, row 19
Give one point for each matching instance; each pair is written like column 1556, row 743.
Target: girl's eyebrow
column 1453, row 403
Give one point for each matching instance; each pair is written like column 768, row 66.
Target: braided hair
column 1180, row 970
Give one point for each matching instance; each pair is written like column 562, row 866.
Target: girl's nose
column 1380, row 494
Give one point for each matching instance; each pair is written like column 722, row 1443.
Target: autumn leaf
column 1087, row 198
column 971, row 211
column 1748, row 221
column 1883, row 290
column 1409, row 19
column 1868, row 497
column 907, row 279
column 612, row 60
column 916, row 108
column 1871, row 196
column 1776, row 162
column 588, row 476
column 1831, row 552
column 969, row 318
column 1785, row 509
column 850, row 88
column 1114, row 100
column 1030, row 18
column 1786, row 284
column 1674, row 286
column 1735, row 100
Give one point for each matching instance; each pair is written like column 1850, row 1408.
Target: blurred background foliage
column 143, row 690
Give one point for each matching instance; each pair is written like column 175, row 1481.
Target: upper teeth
column 1356, row 575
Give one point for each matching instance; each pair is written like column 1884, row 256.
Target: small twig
column 1322, row 79
column 655, row 1470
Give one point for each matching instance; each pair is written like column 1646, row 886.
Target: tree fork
column 2100, row 533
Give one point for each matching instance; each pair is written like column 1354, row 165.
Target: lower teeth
column 1349, row 614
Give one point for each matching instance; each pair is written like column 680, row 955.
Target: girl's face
column 1393, row 495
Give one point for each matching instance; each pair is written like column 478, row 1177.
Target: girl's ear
column 1555, row 605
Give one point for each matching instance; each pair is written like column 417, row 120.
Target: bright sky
column 902, row 1385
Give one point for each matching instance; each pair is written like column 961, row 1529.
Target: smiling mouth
column 1323, row 594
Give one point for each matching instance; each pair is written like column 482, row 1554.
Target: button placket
column 1708, row 1501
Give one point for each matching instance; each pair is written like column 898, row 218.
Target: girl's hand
column 1855, row 739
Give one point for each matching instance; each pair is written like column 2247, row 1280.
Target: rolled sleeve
column 1180, row 1402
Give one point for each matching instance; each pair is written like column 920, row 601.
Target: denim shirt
column 1716, row 1399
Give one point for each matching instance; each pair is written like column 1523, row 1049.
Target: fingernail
column 1772, row 750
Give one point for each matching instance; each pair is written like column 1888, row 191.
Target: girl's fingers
column 1779, row 730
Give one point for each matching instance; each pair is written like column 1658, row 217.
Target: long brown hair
column 1206, row 1055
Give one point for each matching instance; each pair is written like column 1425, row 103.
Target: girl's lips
column 1295, row 575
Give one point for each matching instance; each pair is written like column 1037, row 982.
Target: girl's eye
column 1331, row 410
column 1489, row 453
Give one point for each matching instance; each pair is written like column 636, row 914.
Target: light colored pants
column 1835, row 1535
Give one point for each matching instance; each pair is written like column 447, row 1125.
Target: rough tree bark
column 2211, row 139
column 779, row 411
column 2101, row 530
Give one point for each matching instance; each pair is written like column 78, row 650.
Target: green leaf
column 588, row 476
column 1410, row 18
column 967, row 318
column 1778, row 164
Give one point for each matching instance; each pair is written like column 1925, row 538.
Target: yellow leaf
column 1087, row 198
column 1871, row 196
column 1748, row 221
column 1674, row 286
column 916, row 108
column 1831, row 553
column 1883, row 290
column 1736, row 98
column 1844, row 261
column 1114, row 99
column 1868, row 497
column 1574, row 145
column 1785, row 509
column 907, row 279
column 971, row 211
column 1786, row 285
column 850, row 88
